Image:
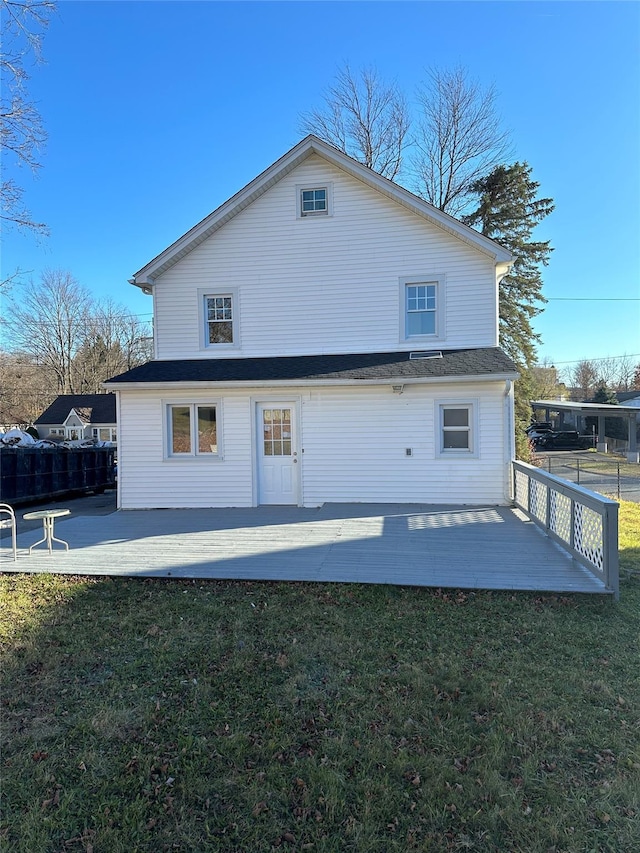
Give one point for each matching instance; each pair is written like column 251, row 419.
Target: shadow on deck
column 485, row 547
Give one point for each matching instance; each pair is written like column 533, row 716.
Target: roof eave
column 298, row 383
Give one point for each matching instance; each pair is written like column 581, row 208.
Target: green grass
column 150, row 715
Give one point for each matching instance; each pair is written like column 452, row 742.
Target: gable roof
column 351, row 368
column 90, row 408
column 145, row 277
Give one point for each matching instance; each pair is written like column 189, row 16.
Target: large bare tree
column 48, row 320
column 365, row 117
column 114, row 341
column 459, row 138
column 22, row 133
column 72, row 341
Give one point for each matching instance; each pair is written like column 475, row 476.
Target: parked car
column 534, row 431
column 569, row 440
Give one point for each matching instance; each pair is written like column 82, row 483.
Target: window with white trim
column 457, row 427
column 313, row 201
column 192, row 429
column 104, row 433
column 219, row 318
column 422, row 308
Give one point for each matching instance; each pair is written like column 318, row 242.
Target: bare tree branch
column 364, row 117
column 459, row 139
column 22, row 133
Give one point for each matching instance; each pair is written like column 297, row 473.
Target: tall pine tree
column 508, row 211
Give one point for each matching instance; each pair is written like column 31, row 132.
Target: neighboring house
column 79, row 417
column 323, row 336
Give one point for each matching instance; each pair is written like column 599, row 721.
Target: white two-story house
column 323, row 336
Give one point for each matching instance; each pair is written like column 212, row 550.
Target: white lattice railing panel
column 538, row 501
column 560, row 515
column 583, row 522
column 588, row 538
column 522, row 490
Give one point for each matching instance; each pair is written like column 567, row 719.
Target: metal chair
column 8, row 520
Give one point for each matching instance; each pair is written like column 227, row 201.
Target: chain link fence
column 610, row 477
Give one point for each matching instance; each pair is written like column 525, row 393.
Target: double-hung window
column 192, row 429
column 219, row 319
column 219, row 314
column 457, row 427
column 422, row 308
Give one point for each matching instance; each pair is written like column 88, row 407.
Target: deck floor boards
column 415, row 545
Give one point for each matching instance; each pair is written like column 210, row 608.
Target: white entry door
column 277, row 454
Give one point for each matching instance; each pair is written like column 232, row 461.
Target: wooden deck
column 415, row 545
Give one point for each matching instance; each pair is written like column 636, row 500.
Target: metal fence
column 610, row 477
column 584, row 523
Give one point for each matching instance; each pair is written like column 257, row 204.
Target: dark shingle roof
column 383, row 366
column 92, row 408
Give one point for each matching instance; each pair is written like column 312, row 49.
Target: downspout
column 509, row 444
column 119, row 448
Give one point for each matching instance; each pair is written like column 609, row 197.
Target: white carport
column 600, row 411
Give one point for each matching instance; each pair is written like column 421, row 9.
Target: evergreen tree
column 605, row 395
column 508, row 211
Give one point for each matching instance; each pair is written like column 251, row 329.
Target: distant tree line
column 59, row 339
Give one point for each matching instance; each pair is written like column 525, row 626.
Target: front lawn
column 152, row 715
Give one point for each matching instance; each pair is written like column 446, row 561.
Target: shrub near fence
column 34, row 473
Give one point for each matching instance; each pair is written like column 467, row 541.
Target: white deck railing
column 583, row 522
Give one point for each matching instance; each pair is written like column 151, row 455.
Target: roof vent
column 434, row 353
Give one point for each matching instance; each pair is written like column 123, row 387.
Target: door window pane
column 276, row 426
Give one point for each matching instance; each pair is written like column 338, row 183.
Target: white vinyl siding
column 353, row 444
column 326, row 284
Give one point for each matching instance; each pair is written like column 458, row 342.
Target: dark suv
column 570, row 440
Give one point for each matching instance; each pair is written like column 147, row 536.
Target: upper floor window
column 313, row 201
column 422, row 308
column 219, row 319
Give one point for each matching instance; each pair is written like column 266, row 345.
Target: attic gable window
column 314, row 201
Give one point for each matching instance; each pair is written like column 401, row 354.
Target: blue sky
column 157, row 112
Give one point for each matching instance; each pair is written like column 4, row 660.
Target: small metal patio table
column 48, row 517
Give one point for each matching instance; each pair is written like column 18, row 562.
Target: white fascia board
column 312, row 145
column 319, row 383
